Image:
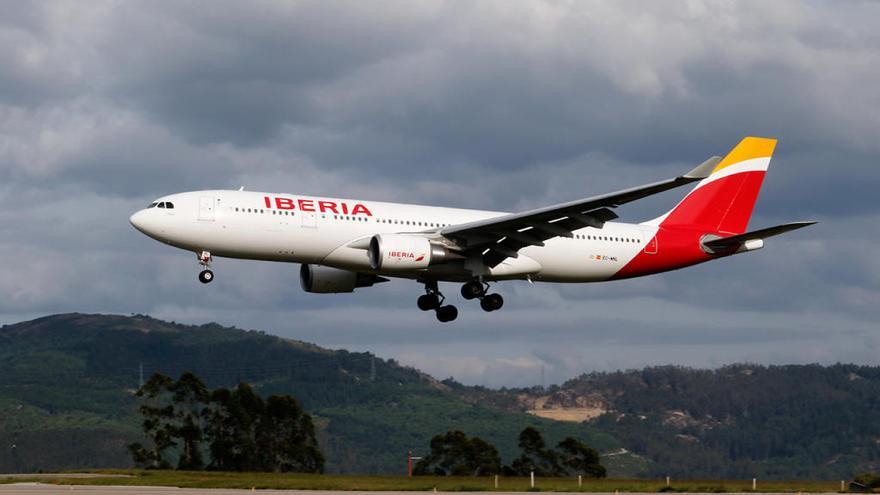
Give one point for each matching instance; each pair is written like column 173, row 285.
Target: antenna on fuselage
column 241, row 188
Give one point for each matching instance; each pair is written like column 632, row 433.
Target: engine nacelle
column 401, row 252
column 320, row 279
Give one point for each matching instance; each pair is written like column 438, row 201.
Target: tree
column 453, row 454
column 157, row 424
column 580, row 459
column 189, row 396
column 243, row 432
column 535, row 457
column 285, row 438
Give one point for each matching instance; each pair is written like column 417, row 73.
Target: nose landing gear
column 476, row 289
column 433, row 300
column 206, row 275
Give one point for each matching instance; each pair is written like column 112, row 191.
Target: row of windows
column 260, row 210
column 414, row 223
column 164, row 204
column 606, row 238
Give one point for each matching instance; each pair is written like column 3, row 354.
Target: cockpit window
column 169, row 204
column 152, row 205
column 162, row 205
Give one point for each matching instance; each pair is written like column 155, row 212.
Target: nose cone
column 140, row 221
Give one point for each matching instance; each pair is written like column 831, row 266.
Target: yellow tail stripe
column 747, row 149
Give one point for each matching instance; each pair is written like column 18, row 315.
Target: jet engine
column 401, row 252
column 320, row 279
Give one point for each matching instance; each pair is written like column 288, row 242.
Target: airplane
column 345, row 244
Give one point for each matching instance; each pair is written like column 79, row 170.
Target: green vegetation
column 367, row 412
column 454, row 454
column 738, row 421
column 571, row 458
column 871, row 481
column 236, row 428
column 213, row 479
column 68, row 383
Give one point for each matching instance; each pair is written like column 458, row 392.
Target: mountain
column 67, row 384
column 739, row 421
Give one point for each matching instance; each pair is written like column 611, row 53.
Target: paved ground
column 44, row 489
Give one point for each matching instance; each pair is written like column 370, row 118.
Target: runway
column 47, row 489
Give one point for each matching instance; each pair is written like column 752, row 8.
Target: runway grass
column 203, row 479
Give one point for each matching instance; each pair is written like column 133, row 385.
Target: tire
column 428, row 302
column 206, row 276
column 447, row 313
column 472, row 290
column 492, row 302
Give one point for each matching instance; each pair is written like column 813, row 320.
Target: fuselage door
column 206, row 208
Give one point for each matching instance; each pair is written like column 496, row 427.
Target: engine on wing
column 401, row 252
column 321, row 279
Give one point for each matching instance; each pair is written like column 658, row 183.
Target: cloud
column 492, row 105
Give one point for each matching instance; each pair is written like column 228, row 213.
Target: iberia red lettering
column 326, row 206
column 313, row 205
column 359, row 208
column 284, row 203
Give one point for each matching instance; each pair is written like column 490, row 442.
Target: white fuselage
column 306, row 229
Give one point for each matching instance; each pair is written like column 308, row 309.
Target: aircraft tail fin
column 723, row 201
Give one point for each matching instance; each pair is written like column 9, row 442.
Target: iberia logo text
column 406, row 254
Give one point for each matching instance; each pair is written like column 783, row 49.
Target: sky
column 106, row 105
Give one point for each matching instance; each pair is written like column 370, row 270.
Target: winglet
column 704, row 169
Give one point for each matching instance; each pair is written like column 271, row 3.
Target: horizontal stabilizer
column 736, row 242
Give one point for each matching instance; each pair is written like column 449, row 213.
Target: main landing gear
column 476, row 289
column 206, row 275
column 433, row 300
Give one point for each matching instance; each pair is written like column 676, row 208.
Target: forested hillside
column 738, row 421
column 67, row 384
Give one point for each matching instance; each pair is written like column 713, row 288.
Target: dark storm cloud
column 489, row 105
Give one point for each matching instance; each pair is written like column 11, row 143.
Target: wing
column 502, row 237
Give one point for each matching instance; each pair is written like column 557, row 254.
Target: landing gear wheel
column 492, row 302
column 206, row 276
column 472, row 290
column 428, row 302
column 447, row 313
